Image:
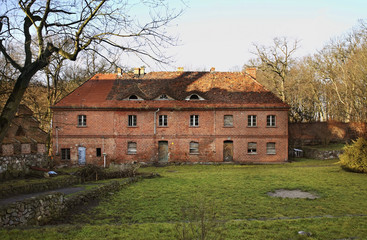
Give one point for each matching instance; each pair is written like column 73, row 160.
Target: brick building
column 24, row 135
column 171, row 117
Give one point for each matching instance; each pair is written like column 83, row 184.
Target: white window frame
column 162, row 120
column 194, row 120
column 271, row 121
column 251, row 121
column 132, row 121
column 82, row 120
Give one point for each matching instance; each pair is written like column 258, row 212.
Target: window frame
column 271, row 150
column 271, row 121
column 163, row 121
column 130, row 148
column 82, row 120
column 251, row 148
column 194, row 148
column 251, row 120
column 65, row 154
column 194, row 120
column 132, row 121
column 231, row 120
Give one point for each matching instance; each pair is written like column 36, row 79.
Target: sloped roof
column 219, row 89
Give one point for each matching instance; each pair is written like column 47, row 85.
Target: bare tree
column 35, row 24
column 276, row 61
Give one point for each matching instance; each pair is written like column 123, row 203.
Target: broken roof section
column 215, row 90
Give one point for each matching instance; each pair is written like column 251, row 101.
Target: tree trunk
column 16, row 96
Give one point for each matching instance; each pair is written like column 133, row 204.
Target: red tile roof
column 219, row 89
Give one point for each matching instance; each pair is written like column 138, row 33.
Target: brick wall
column 109, row 131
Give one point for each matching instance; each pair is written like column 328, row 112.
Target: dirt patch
column 283, row 193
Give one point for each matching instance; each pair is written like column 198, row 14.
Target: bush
column 354, row 157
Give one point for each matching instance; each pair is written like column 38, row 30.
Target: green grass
column 154, row 208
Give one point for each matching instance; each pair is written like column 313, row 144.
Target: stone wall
column 321, row 154
column 32, row 211
column 42, row 209
column 20, row 163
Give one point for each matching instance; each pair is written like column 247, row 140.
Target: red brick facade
column 106, row 123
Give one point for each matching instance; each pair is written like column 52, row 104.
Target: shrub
column 354, row 157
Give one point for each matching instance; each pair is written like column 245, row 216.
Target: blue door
column 81, row 155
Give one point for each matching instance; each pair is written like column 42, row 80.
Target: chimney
column 119, row 72
column 142, row 71
column 251, row 72
column 212, row 69
column 136, row 71
column 180, row 69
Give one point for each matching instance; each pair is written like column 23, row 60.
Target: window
column 133, row 97
column 194, row 148
column 194, row 97
column 270, row 148
column 98, row 152
column 270, row 121
column 65, row 153
column 162, row 121
column 163, row 97
column 251, row 148
column 228, row 120
column 251, row 121
column 132, row 121
column 82, row 120
column 194, row 120
column 131, row 148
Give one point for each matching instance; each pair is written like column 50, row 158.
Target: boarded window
column 194, row 148
column 82, row 120
column 65, row 153
column 270, row 148
column 194, row 120
column 162, row 121
column 131, row 148
column 270, row 121
column 251, row 147
column 251, row 121
column 98, row 152
column 228, row 120
column 132, row 120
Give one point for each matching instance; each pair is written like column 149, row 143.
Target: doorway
column 163, row 151
column 81, row 155
column 228, row 151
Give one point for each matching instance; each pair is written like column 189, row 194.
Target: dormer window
column 163, row 97
column 133, row 97
column 194, row 97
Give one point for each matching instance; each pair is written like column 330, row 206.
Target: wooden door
column 163, row 151
column 228, row 151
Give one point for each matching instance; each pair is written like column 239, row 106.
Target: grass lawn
column 234, row 200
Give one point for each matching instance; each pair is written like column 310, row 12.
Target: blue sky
column 220, row 33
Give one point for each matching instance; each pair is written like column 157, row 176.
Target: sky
column 221, row 33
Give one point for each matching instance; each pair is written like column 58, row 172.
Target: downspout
column 57, row 140
column 155, row 121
